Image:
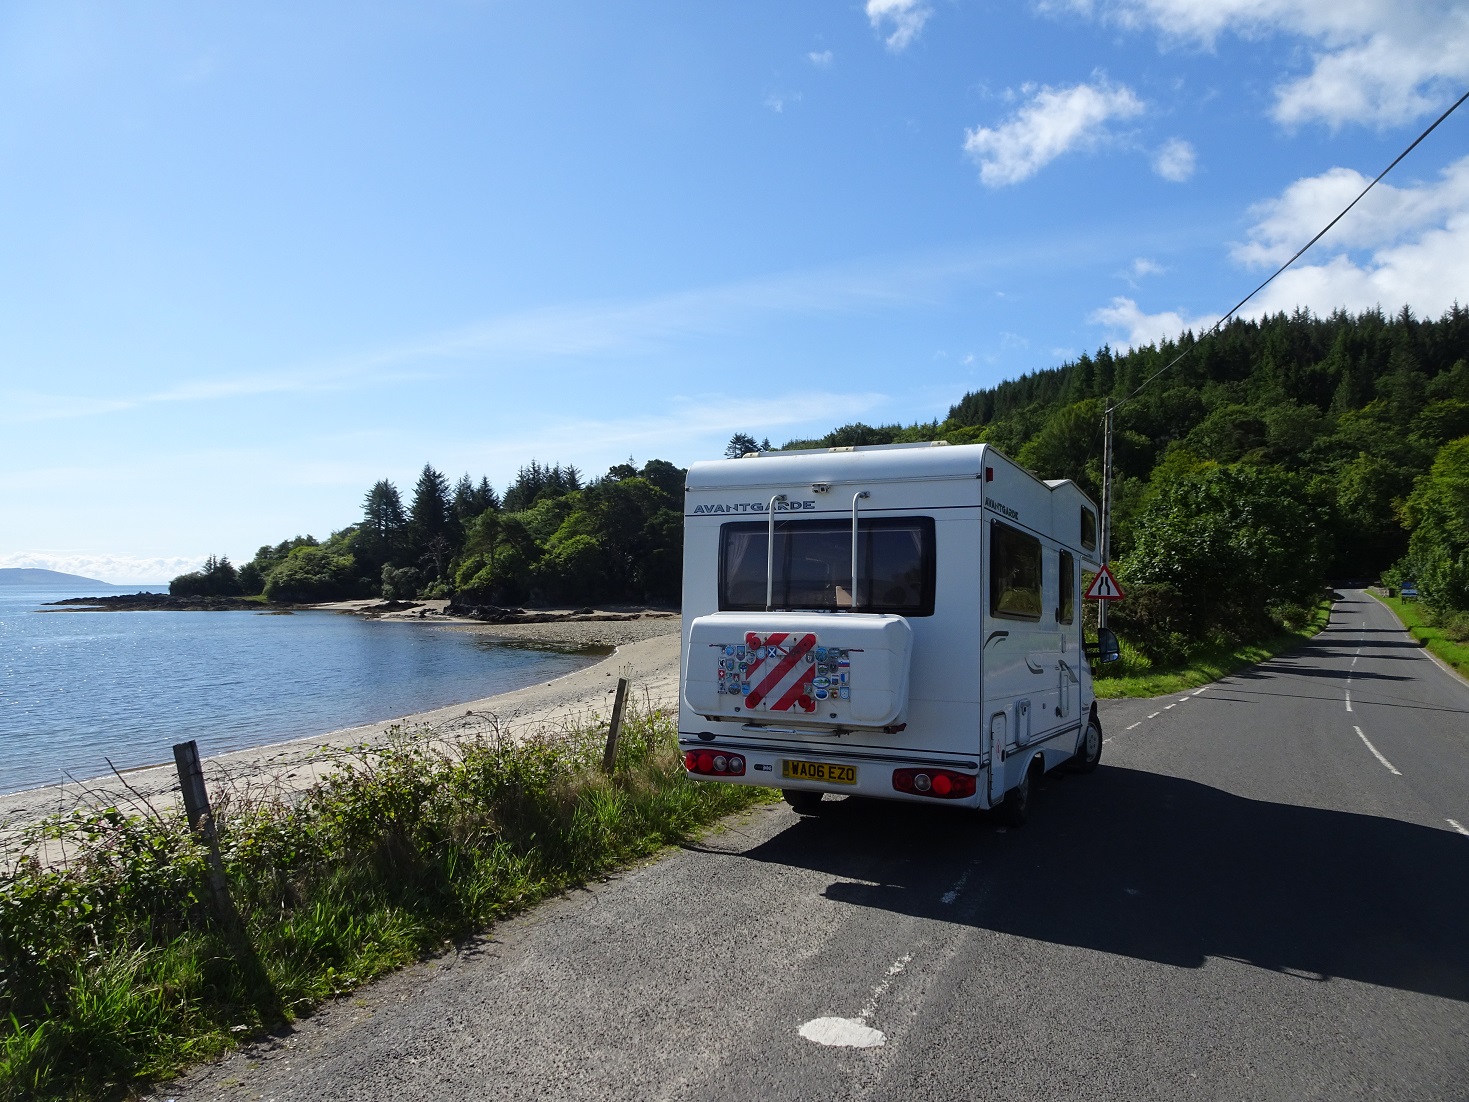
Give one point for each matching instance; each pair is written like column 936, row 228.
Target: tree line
column 1275, row 454
column 551, row 538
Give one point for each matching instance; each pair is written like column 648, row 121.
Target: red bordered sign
column 1104, row 587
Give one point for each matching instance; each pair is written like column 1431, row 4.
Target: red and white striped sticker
column 782, row 668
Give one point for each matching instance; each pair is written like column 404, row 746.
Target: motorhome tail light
column 710, row 763
column 942, row 783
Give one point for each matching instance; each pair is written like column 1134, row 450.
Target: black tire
column 1015, row 807
column 802, row 802
column 1089, row 753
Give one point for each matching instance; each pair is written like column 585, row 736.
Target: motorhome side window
column 813, row 565
column 1066, row 609
column 1088, row 529
column 1015, row 574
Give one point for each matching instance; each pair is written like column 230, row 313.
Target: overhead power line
column 1299, row 253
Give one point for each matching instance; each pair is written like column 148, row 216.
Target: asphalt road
column 1261, row 894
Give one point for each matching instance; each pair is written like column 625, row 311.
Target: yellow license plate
column 818, row 771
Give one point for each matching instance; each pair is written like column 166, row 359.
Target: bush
column 217, row 579
column 115, row 970
column 312, row 574
column 1223, row 555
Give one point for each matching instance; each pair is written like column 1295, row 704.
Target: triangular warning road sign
column 1104, row 587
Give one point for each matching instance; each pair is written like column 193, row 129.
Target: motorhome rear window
column 1015, row 574
column 1088, row 529
column 813, row 565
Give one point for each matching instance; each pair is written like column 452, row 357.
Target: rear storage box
column 844, row 670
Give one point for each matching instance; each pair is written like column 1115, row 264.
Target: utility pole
column 1106, row 508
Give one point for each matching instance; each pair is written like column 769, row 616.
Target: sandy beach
column 647, row 654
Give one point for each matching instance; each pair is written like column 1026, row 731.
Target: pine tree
column 430, row 517
column 383, row 535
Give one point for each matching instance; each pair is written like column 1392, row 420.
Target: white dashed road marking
column 855, row 1032
column 1139, row 723
column 1376, row 753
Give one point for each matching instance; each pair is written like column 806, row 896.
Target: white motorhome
column 952, row 672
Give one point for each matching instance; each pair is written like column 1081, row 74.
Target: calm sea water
column 79, row 687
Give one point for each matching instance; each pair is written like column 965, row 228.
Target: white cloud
column 1135, row 329
column 900, row 20
column 114, row 569
column 1375, row 62
column 1399, row 246
column 820, row 58
column 1051, row 122
column 1142, row 266
column 1388, row 215
column 1174, row 160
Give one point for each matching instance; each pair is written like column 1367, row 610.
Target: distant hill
column 12, row 575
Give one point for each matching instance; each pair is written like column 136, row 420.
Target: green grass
column 115, row 970
column 1416, row 618
column 1135, row 676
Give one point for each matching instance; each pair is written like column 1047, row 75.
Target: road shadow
column 1281, row 669
column 1168, row 870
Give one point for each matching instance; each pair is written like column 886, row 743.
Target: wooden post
column 609, row 759
column 201, row 822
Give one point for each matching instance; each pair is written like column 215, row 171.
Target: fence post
column 201, row 822
column 609, row 759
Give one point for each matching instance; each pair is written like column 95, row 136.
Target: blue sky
column 260, row 256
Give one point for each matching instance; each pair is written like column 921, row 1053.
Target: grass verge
column 1135, row 676
column 116, row 970
column 1415, row 618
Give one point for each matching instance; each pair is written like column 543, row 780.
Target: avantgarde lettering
column 1001, row 508
column 754, row 507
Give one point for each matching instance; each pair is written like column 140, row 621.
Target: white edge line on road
column 1457, row 827
column 1376, row 753
column 1139, row 723
column 1422, row 650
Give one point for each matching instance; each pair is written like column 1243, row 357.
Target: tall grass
column 1445, row 634
column 114, row 968
column 1136, row 675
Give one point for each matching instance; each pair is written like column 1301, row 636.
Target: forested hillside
column 1272, row 456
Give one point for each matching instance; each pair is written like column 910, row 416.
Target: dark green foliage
column 739, row 444
column 433, row 531
column 312, row 574
column 618, row 539
column 1438, row 513
column 217, row 579
column 382, row 537
column 534, row 482
column 1222, row 555
column 114, row 970
column 399, row 583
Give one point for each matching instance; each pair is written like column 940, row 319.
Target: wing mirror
column 1106, row 648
